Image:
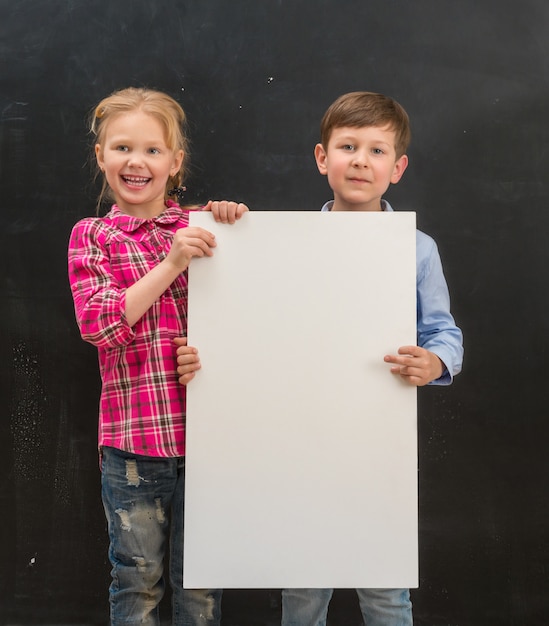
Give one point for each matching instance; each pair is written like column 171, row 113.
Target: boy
column 364, row 138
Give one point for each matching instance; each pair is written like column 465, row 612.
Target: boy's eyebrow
column 352, row 138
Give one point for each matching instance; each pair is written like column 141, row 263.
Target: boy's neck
column 373, row 205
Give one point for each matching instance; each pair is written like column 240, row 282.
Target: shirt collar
column 385, row 206
column 129, row 223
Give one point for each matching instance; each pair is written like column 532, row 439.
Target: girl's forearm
column 146, row 291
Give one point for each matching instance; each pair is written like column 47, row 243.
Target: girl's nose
column 135, row 160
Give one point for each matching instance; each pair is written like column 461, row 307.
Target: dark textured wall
column 255, row 77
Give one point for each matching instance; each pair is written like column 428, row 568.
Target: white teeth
column 136, row 180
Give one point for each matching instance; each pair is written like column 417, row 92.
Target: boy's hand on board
column 188, row 361
column 226, row 212
column 417, row 366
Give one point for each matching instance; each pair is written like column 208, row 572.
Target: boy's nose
column 360, row 159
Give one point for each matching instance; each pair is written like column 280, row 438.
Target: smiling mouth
column 135, row 181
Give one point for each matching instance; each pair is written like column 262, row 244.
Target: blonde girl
column 128, row 278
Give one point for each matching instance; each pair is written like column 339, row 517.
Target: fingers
column 403, row 357
column 411, row 350
column 414, row 365
column 201, row 240
column 188, row 361
column 185, row 379
column 226, row 212
column 416, row 379
column 180, row 341
column 185, row 354
column 412, row 376
column 190, row 242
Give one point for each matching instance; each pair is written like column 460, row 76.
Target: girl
column 129, row 284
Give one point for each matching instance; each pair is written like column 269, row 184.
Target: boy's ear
column 400, row 166
column 320, row 158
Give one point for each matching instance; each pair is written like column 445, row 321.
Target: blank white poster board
column 301, row 463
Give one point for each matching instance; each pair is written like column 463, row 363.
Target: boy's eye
column 377, row 151
column 349, row 147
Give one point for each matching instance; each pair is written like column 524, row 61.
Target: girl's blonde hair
column 162, row 107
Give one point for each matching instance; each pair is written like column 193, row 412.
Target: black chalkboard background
column 255, row 77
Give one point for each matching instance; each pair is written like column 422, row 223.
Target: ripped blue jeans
column 144, row 500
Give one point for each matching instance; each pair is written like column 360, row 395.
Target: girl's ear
column 177, row 162
column 99, row 156
column 320, row 158
column 400, row 166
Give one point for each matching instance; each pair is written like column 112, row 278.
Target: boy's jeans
column 144, row 500
column 380, row 607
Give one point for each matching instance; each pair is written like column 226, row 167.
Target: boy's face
column 360, row 164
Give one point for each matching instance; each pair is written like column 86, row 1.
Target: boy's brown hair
column 365, row 108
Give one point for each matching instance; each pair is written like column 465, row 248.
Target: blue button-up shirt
column 436, row 328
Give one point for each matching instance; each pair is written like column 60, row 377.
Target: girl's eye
column 154, row 150
column 122, row 148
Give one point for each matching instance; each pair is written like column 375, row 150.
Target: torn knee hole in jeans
column 124, row 516
column 132, row 474
column 210, row 606
column 141, row 514
column 160, row 514
column 140, row 563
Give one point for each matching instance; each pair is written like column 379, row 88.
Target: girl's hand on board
column 226, row 212
column 188, row 361
column 417, row 366
column 190, row 242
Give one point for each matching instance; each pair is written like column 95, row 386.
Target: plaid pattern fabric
column 142, row 406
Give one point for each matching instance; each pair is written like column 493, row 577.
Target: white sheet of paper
column 301, row 463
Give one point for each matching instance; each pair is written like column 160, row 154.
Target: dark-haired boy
column 364, row 138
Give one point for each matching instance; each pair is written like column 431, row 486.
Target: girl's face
column 137, row 163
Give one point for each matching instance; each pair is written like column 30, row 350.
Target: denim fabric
column 380, row 607
column 144, row 501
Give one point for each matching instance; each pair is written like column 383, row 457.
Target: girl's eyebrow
column 126, row 140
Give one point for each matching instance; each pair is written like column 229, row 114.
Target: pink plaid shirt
column 142, row 406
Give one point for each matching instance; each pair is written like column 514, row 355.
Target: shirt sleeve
column 436, row 328
column 99, row 301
